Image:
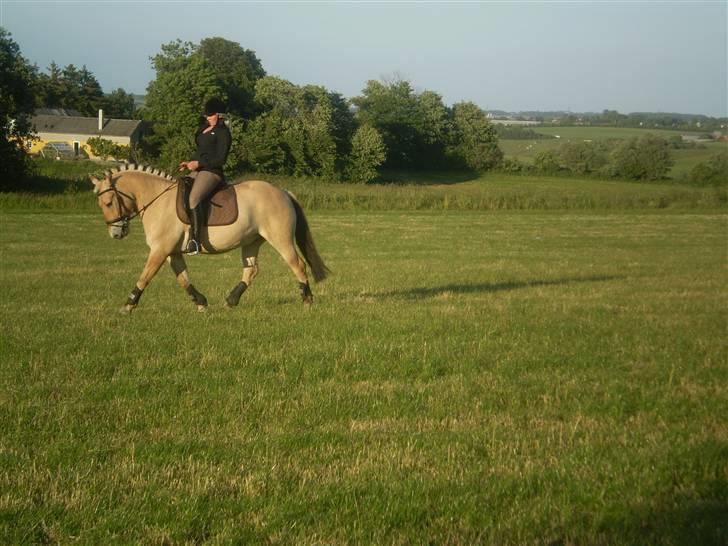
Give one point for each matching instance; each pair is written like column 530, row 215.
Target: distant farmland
column 685, row 159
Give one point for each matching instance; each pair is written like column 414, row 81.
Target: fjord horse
column 265, row 213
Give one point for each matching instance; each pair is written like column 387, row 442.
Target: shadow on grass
column 485, row 288
column 700, row 517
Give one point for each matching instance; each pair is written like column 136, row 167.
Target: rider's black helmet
column 214, row 106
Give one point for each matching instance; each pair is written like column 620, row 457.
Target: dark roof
column 57, row 112
column 84, row 126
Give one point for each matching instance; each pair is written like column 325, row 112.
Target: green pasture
column 586, row 132
column 464, row 377
column 685, row 159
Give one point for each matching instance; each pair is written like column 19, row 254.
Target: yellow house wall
column 44, row 138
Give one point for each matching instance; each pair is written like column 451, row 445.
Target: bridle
column 126, row 214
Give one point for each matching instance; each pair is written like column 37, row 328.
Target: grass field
column 464, row 377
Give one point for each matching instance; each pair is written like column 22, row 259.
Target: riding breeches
column 204, row 183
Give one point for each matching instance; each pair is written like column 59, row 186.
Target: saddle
column 221, row 205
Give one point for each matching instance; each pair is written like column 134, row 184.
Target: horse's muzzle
column 118, row 231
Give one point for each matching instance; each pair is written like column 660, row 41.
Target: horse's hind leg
column 179, row 267
column 250, row 270
column 298, row 266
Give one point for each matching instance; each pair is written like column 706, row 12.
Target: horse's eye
column 108, row 205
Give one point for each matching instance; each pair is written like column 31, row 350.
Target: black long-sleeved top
column 213, row 147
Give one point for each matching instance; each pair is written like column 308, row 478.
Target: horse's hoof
column 126, row 310
column 202, row 308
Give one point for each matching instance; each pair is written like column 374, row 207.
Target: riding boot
column 196, row 218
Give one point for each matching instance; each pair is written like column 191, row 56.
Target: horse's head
column 118, row 207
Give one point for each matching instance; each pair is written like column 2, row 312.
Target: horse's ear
column 95, row 181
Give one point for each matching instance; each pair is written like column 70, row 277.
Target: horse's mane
column 125, row 167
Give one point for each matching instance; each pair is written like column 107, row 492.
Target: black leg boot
column 193, row 244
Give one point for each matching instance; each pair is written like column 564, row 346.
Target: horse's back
column 265, row 205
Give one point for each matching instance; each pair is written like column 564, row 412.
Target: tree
column 435, row 125
column 644, row 158
column 297, row 130
column 17, row 101
column 474, row 140
column 175, row 98
column 118, row 104
column 70, row 88
column 392, row 108
column 50, row 91
column 368, row 152
column 188, row 75
column 236, row 69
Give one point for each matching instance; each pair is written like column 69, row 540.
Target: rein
column 126, row 214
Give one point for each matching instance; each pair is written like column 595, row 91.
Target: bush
column 712, row 172
column 583, row 157
column 644, row 158
column 106, row 149
column 368, row 152
column 547, row 162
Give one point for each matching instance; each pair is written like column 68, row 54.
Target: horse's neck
column 143, row 187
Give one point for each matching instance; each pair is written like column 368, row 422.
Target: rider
column 213, row 144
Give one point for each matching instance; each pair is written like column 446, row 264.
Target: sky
column 578, row 56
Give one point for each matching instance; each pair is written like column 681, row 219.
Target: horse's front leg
column 179, row 267
column 154, row 262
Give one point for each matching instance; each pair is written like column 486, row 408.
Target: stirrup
column 193, row 248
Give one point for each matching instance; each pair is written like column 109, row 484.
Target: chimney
column 101, row 120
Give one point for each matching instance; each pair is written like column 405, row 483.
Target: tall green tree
column 118, row 104
column 392, row 108
column 474, row 139
column 70, row 87
column 174, row 104
column 17, row 101
column 368, row 152
column 236, row 69
column 296, row 131
column 186, row 76
column 51, row 89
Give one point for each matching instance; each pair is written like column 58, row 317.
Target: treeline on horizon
column 279, row 127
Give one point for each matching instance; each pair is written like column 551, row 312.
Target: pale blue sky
column 578, row 56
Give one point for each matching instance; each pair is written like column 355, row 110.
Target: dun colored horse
column 265, row 213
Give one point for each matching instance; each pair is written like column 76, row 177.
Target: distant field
column 526, row 150
column 585, row 133
column 512, row 377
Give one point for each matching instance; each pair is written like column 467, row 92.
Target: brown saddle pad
column 222, row 205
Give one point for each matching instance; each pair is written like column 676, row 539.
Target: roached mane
column 138, row 168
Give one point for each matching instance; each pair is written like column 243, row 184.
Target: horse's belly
column 224, row 238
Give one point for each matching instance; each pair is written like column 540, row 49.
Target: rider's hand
column 193, row 165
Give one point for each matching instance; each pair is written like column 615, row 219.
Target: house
column 76, row 130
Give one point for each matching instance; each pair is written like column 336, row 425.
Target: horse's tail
column 305, row 243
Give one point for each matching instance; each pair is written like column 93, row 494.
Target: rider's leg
column 204, row 183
